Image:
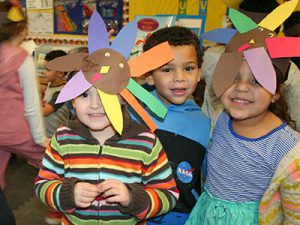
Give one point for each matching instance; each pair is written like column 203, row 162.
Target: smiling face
column 90, row 111
column 246, row 99
column 176, row 81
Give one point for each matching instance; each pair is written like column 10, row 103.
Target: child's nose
column 242, row 85
column 179, row 76
column 95, row 102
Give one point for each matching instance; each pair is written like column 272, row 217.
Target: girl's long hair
column 280, row 107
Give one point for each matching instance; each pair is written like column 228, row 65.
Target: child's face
column 90, row 111
column 246, row 99
column 176, row 81
column 52, row 75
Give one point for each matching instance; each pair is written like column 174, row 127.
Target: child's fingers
column 83, row 204
column 110, row 184
column 113, row 199
column 110, row 192
column 89, row 187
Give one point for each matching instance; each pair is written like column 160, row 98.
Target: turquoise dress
column 213, row 211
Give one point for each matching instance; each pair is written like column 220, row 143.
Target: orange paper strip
column 138, row 108
column 151, row 59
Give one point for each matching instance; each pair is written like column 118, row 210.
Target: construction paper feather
column 259, row 46
column 106, row 68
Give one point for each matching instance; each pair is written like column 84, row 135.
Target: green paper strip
column 241, row 22
column 147, row 98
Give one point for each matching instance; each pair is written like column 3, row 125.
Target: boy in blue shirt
column 185, row 131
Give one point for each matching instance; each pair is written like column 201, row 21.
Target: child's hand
column 115, row 191
column 46, row 142
column 84, row 194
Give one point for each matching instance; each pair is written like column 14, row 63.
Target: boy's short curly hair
column 176, row 36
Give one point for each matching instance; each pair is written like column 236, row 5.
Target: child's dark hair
column 280, row 107
column 176, row 36
column 9, row 28
column 54, row 54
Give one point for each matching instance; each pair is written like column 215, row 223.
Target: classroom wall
column 215, row 11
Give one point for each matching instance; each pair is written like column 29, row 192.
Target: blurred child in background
column 55, row 114
column 21, row 127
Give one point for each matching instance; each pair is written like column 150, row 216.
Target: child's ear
column 275, row 97
column 277, row 94
column 72, row 102
column 61, row 74
column 149, row 78
column 199, row 74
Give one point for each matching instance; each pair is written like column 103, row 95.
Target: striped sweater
column 280, row 205
column 136, row 158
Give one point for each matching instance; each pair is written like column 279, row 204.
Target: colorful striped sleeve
column 50, row 177
column 158, row 194
column 280, row 204
column 290, row 193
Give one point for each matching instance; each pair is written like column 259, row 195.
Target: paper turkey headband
column 14, row 14
column 106, row 69
column 255, row 43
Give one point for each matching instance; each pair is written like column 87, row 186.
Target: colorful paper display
column 259, row 46
column 106, row 68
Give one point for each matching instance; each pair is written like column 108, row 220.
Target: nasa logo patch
column 184, row 172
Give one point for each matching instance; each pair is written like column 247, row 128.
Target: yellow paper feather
column 278, row 15
column 113, row 110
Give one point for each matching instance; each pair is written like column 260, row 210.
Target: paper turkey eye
column 260, row 29
column 270, row 34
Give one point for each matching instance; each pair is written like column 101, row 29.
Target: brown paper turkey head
column 107, row 70
column 251, row 36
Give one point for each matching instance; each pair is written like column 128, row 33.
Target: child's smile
column 179, row 91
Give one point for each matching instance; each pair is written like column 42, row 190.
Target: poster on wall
column 112, row 14
column 189, row 13
column 71, row 16
column 195, row 23
column 146, row 25
column 40, row 23
column 67, row 17
column 39, row 4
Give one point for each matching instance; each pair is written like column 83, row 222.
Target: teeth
column 96, row 114
column 240, row 100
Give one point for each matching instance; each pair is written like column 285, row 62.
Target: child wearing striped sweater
column 94, row 175
column 102, row 167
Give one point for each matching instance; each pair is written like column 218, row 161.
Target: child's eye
column 166, row 70
column 84, row 95
column 189, row 68
column 255, row 82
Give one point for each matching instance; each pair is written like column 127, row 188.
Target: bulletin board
column 189, row 13
column 65, row 22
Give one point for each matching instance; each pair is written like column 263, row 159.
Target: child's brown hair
column 176, row 36
column 280, row 107
column 9, row 28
